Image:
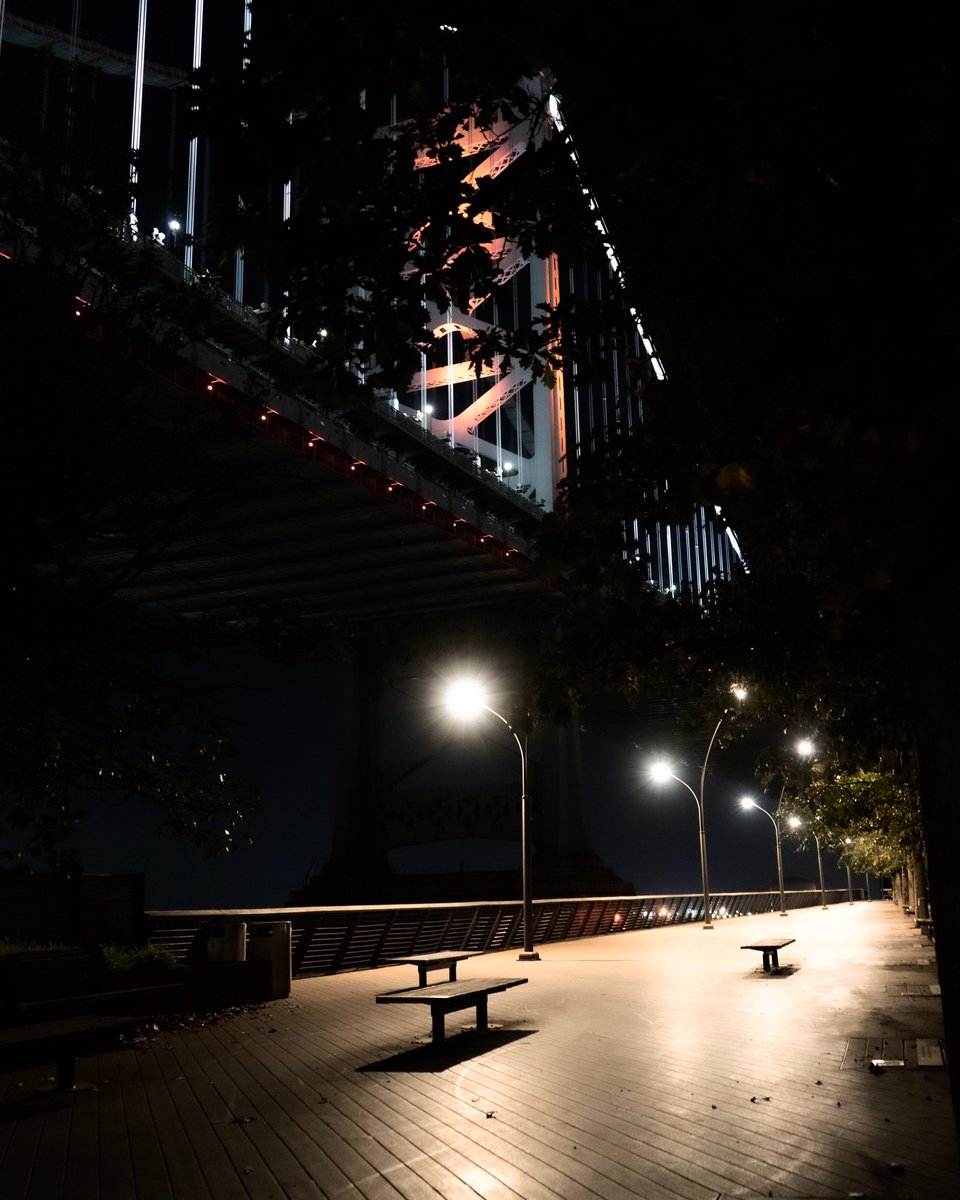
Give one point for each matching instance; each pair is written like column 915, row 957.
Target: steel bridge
column 419, row 511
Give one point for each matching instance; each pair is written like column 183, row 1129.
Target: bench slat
column 438, row 992
column 438, row 958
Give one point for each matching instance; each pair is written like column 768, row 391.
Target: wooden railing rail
column 327, row 940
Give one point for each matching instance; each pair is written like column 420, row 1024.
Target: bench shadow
column 760, row 973
column 456, row 1049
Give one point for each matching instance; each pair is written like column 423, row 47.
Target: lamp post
column 466, row 699
column 849, row 842
column 795, row 823
column 749, row 802
column 806, row 748
column 660, row 772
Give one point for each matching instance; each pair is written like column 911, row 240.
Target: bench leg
column 482, row 1015
column 436, row 1017
column 766, row 960
column 66, row 1070
column 453, row 972
column 775, row 964
column 422, row 974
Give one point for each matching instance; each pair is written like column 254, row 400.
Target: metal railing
column 328, row 940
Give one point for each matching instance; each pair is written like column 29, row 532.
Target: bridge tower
column 507, row 422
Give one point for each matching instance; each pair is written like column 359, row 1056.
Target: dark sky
column 284, row 719
column 284, row 716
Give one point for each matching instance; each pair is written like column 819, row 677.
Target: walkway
column 659, row 1064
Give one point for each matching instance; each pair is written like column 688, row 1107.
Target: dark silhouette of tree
column 792, row 239
column 104, row 468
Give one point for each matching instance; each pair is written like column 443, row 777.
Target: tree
column 103, row 472
column 791, row 239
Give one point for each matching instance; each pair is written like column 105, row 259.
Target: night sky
column 283, row 718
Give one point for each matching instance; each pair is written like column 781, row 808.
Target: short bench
column 433, row 960
column 769, row 951
column 61, row 1040
column 450, row 997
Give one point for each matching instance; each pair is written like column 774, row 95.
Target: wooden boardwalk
column 658, row 1064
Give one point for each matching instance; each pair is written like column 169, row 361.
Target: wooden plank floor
column 663, row 1065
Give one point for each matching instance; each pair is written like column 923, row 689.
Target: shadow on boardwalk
column 655, row 1064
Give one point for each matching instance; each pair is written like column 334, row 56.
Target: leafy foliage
column 788, row 238
column 102, row 479
column 344, row 106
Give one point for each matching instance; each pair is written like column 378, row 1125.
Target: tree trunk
column 933, row 650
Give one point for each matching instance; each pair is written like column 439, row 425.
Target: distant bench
column 769, row 950
column 434, row 960
column 450, row 997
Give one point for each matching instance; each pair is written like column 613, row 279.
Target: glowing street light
column 466, row 699
column 806, row 748
column 661, row 772
column 749, row 802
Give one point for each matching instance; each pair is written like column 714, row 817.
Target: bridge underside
column 324, row 542
column 325, row 517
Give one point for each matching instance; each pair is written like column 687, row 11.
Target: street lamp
column 660, row 772
column 466, row 699
column 749, row 802
column 849, row 842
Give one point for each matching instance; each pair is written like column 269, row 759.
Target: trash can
column 226, row 942
column 270, row 943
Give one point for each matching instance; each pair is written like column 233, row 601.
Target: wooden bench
column 450, row 997
column 61, row 1040
column 57, row 982
column 769, row 950
column 434, row 960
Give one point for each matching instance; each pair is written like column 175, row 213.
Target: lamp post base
column 528, row 956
